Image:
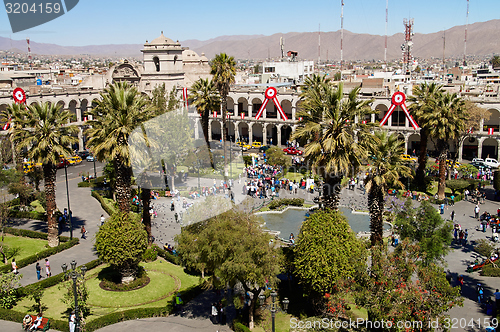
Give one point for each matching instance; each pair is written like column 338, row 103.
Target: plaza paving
column 195, row 315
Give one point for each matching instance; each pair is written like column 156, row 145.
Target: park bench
column 44, row 326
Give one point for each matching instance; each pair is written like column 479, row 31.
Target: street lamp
column 67, row 194
column 74, row 274
column 274, row 305
column 95, row 173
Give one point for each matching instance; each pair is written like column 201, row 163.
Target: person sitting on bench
column 37, row 322
column 27, row 322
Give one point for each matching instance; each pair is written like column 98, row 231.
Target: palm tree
column 386, row 169
column 421, row 103
column 224, row 70
column 14, row 114
column 206, row 99
column 445, row 123
column 121, row 110
column 45, row 133
column 328, row 122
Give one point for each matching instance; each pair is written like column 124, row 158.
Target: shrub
column 490, row 271
column 84, row 184
column 150, row 254
column 484, row 247
column 169, row 256
column 496, row 180
column 285, row 201
column 106, row 204
column 238, row 327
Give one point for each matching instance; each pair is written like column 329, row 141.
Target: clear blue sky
column 94, row 22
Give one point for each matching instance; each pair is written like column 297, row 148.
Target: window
column 269, row 70
column 157, row 63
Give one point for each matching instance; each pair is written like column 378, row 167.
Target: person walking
column 72, row 321
column 214, row 314
column 84, row 236
column 38, row 271
column 14, row 266
column 47, row 268
column 476, row 211
column 102, row 219
column 452, row 215
column 466, row 235
column 497, row 299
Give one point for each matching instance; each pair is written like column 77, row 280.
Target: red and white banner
column 6, row 125
column 84, row 119
column 228, row 116
column 398, row 99
column 19, row 96
column 300, row 118
column 470, row 131
column 242, row 115
column 215, row 114
column 271, row 93
column 185, row 96
column 491, row 131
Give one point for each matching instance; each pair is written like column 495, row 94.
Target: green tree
column 120, row 242
column 400, row 290
column 8, row 284
column 276, row 156
column 163, row 101
column 82, row 294
column 421, row 103
column 232, row 249
column 385, row 170
column 121, row 110
column 425, row 226
column 206, row 99
column 445, row 123
column 224, row 70
column 14, row 114
column 328, row 123
column 457, row 185
column 46, row 134
column 327, row 251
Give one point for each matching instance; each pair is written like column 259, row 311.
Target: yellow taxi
column 407, row 157
column 76, row 160
column 256, row 145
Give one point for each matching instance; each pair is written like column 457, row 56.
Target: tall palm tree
column 421, row 103
column 224, row 70
column 121, row 110
column 206, row 99
column 328, row 122
column 445, row 122
column 45, row 132
column 14, row 115
column 386, row 169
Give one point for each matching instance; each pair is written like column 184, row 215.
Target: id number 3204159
column 25, row 8
column 453, row 323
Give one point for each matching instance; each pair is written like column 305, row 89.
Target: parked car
column 90, row 158
column 493, row 163
column 256, row 145
column 75, row 160
column 478, row 160
column 264, row 148
column 407, row 157
column 479, row 164
column 62, row 163
column 83, row 154
column 292, row 150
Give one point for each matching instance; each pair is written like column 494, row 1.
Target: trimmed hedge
column 28, row 215
column 238, row 327
column 169, row 256
column 41, row 255
column 490, row 271
column 110, row 210
column 84, row 184
column 32, row 234
column 285, row 201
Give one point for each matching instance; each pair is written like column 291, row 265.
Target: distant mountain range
column 482, row 39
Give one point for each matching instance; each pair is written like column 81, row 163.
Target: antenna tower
column 407, row 46
column 319, row 44
column 386, row 16
column 282, row 45
column 29, row 52
column 465, row 40
column 341, row 34
column 444, row 47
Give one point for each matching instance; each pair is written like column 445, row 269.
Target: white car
column 493, row 163
column 479, row 160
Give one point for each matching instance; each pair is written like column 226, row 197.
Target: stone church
column 164, row 61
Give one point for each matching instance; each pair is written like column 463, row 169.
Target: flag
column 84, row 119
column 228, row 116
column 6, row 125
column 490, row 131
column 300, row 118
column 242, row 115
column 470, row 130
column 185, row 96
column 363, row 122
column 215, row 114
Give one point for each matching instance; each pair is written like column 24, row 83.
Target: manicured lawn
column 107, row 301
column 27, row 246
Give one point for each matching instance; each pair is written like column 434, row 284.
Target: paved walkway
column 195, row 316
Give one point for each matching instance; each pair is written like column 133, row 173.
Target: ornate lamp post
column 74, row 274
column 67, row 194
column 274, row 305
